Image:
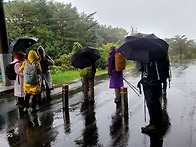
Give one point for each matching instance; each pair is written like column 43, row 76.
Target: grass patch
column 70, row 75
column 65, row 76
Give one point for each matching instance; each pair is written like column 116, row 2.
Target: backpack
column 87, row 72
column 120, row 62
column 10, row 71
column 30, row 73
column 157, row 71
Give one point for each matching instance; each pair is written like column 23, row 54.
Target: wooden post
column 65, row 99
column 124, row 101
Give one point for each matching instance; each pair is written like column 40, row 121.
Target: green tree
column 57, row 26
column 102, row 62
column 108, row 34
column 179, row 46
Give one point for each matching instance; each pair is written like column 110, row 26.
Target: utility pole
column 5, row 57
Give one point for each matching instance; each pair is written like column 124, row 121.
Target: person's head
column 40, row 51
column 20, row 56
column 112, row 47
column 32, row 56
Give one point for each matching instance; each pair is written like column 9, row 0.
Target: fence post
column 65, row 99
column 124, row 101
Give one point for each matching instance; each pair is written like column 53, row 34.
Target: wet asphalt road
column 101, row 125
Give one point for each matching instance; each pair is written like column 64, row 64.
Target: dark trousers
column 44, row 86
column 21, row 101
column 47, row 94
column 34, row 101
column 164, row 86
column 89, row 85
column 152, row 95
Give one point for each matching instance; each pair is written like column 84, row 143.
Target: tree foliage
column 102, row 62
column 61, row 30
column 181, row 47
column 57, row 25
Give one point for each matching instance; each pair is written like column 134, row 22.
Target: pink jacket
column 18, row 83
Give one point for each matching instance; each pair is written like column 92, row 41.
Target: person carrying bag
column 31, row 68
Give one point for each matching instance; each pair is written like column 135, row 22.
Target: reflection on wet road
column 102, row 124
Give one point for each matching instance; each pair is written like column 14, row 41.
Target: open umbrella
column 21, row 44
column 85, row 57
column 144, row 48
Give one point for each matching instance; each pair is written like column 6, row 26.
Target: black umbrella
column 144, row 48
column 21, row 44
column 85, row 57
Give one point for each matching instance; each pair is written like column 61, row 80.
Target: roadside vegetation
column 70, row 75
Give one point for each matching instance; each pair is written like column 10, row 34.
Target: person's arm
column 49, row 60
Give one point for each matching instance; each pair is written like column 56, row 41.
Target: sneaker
column 25, row 109
column 149, row 129
column 34, row 110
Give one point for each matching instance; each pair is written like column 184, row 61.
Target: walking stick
column 132, row 87
column 144, row 110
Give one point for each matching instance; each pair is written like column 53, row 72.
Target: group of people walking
column 23, row 89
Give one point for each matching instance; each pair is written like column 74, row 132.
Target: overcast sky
column 164, row 18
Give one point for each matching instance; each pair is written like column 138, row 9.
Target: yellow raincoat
column 32, row 88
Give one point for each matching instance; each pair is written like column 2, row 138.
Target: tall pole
column 5, row 58
column 3, row 31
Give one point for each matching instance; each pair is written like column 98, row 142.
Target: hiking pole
column 144, row 110
column 132, row 87
column 170, row 75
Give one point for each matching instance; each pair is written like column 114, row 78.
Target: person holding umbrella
column 85, row 59
column 150, row 54
column 88, row 75
column 152, row 92
column 116, row 77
